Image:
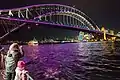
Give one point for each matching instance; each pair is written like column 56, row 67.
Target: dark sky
column 104, row 12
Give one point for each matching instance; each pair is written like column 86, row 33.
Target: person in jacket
column 14, row 53
column 20, row 71
column 1, row 57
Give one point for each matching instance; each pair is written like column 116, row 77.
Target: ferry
column 33, row 42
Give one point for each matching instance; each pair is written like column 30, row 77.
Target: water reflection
column 74, row 61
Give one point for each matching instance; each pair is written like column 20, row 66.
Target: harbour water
column 74, row 61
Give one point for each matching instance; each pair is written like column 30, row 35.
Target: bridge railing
column 29, row 77
column 4, row 76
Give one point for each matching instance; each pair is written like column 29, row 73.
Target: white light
column 36, row 24
column 10, row 13
column 0, row 12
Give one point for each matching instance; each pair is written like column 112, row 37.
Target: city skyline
column 102, row 12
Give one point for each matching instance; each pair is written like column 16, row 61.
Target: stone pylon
column 104, row 31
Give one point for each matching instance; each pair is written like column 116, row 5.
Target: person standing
column 20, row 71
column 14, row 53
column 2, row 58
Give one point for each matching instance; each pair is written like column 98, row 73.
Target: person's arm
column 24, row 75
column 21, row 51
column 17, row 76
column 5, row 61
column 6, row 57
column 1, row 49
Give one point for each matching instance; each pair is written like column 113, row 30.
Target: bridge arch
column 50, row 10
column 30, row 12
column 77, row 20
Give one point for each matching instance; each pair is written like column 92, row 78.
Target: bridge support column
column 104, row 33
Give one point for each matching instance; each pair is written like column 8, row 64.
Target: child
column 20, row 71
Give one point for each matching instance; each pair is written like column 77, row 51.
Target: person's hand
column 20, row 47
column 25, row 71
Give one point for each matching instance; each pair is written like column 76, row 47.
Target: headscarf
column 21, row 65
column 13, row 47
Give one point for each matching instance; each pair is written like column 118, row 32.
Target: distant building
column 112, row 32
column 81, row 36
column 107, row 31
column 118, row 34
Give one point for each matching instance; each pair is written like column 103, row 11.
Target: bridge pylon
column 104, row 31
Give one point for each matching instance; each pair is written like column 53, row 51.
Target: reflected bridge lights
column 51, row 73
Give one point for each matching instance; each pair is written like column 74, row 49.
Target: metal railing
column 29, row 77
column 2, row 72
column 4, row 77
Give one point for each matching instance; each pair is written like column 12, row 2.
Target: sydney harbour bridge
column 60, row 16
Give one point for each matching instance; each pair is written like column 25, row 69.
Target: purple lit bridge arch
column 50, row 14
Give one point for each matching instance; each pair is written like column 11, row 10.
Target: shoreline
column 56, row 42
column 39, row 43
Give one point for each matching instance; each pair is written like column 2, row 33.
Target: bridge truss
column 52, row 14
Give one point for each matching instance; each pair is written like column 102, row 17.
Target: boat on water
column 33, row 42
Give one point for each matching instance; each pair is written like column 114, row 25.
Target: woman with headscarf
column 14, row 53
column 20, row 71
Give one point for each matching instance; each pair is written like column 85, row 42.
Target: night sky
column 103, row 12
